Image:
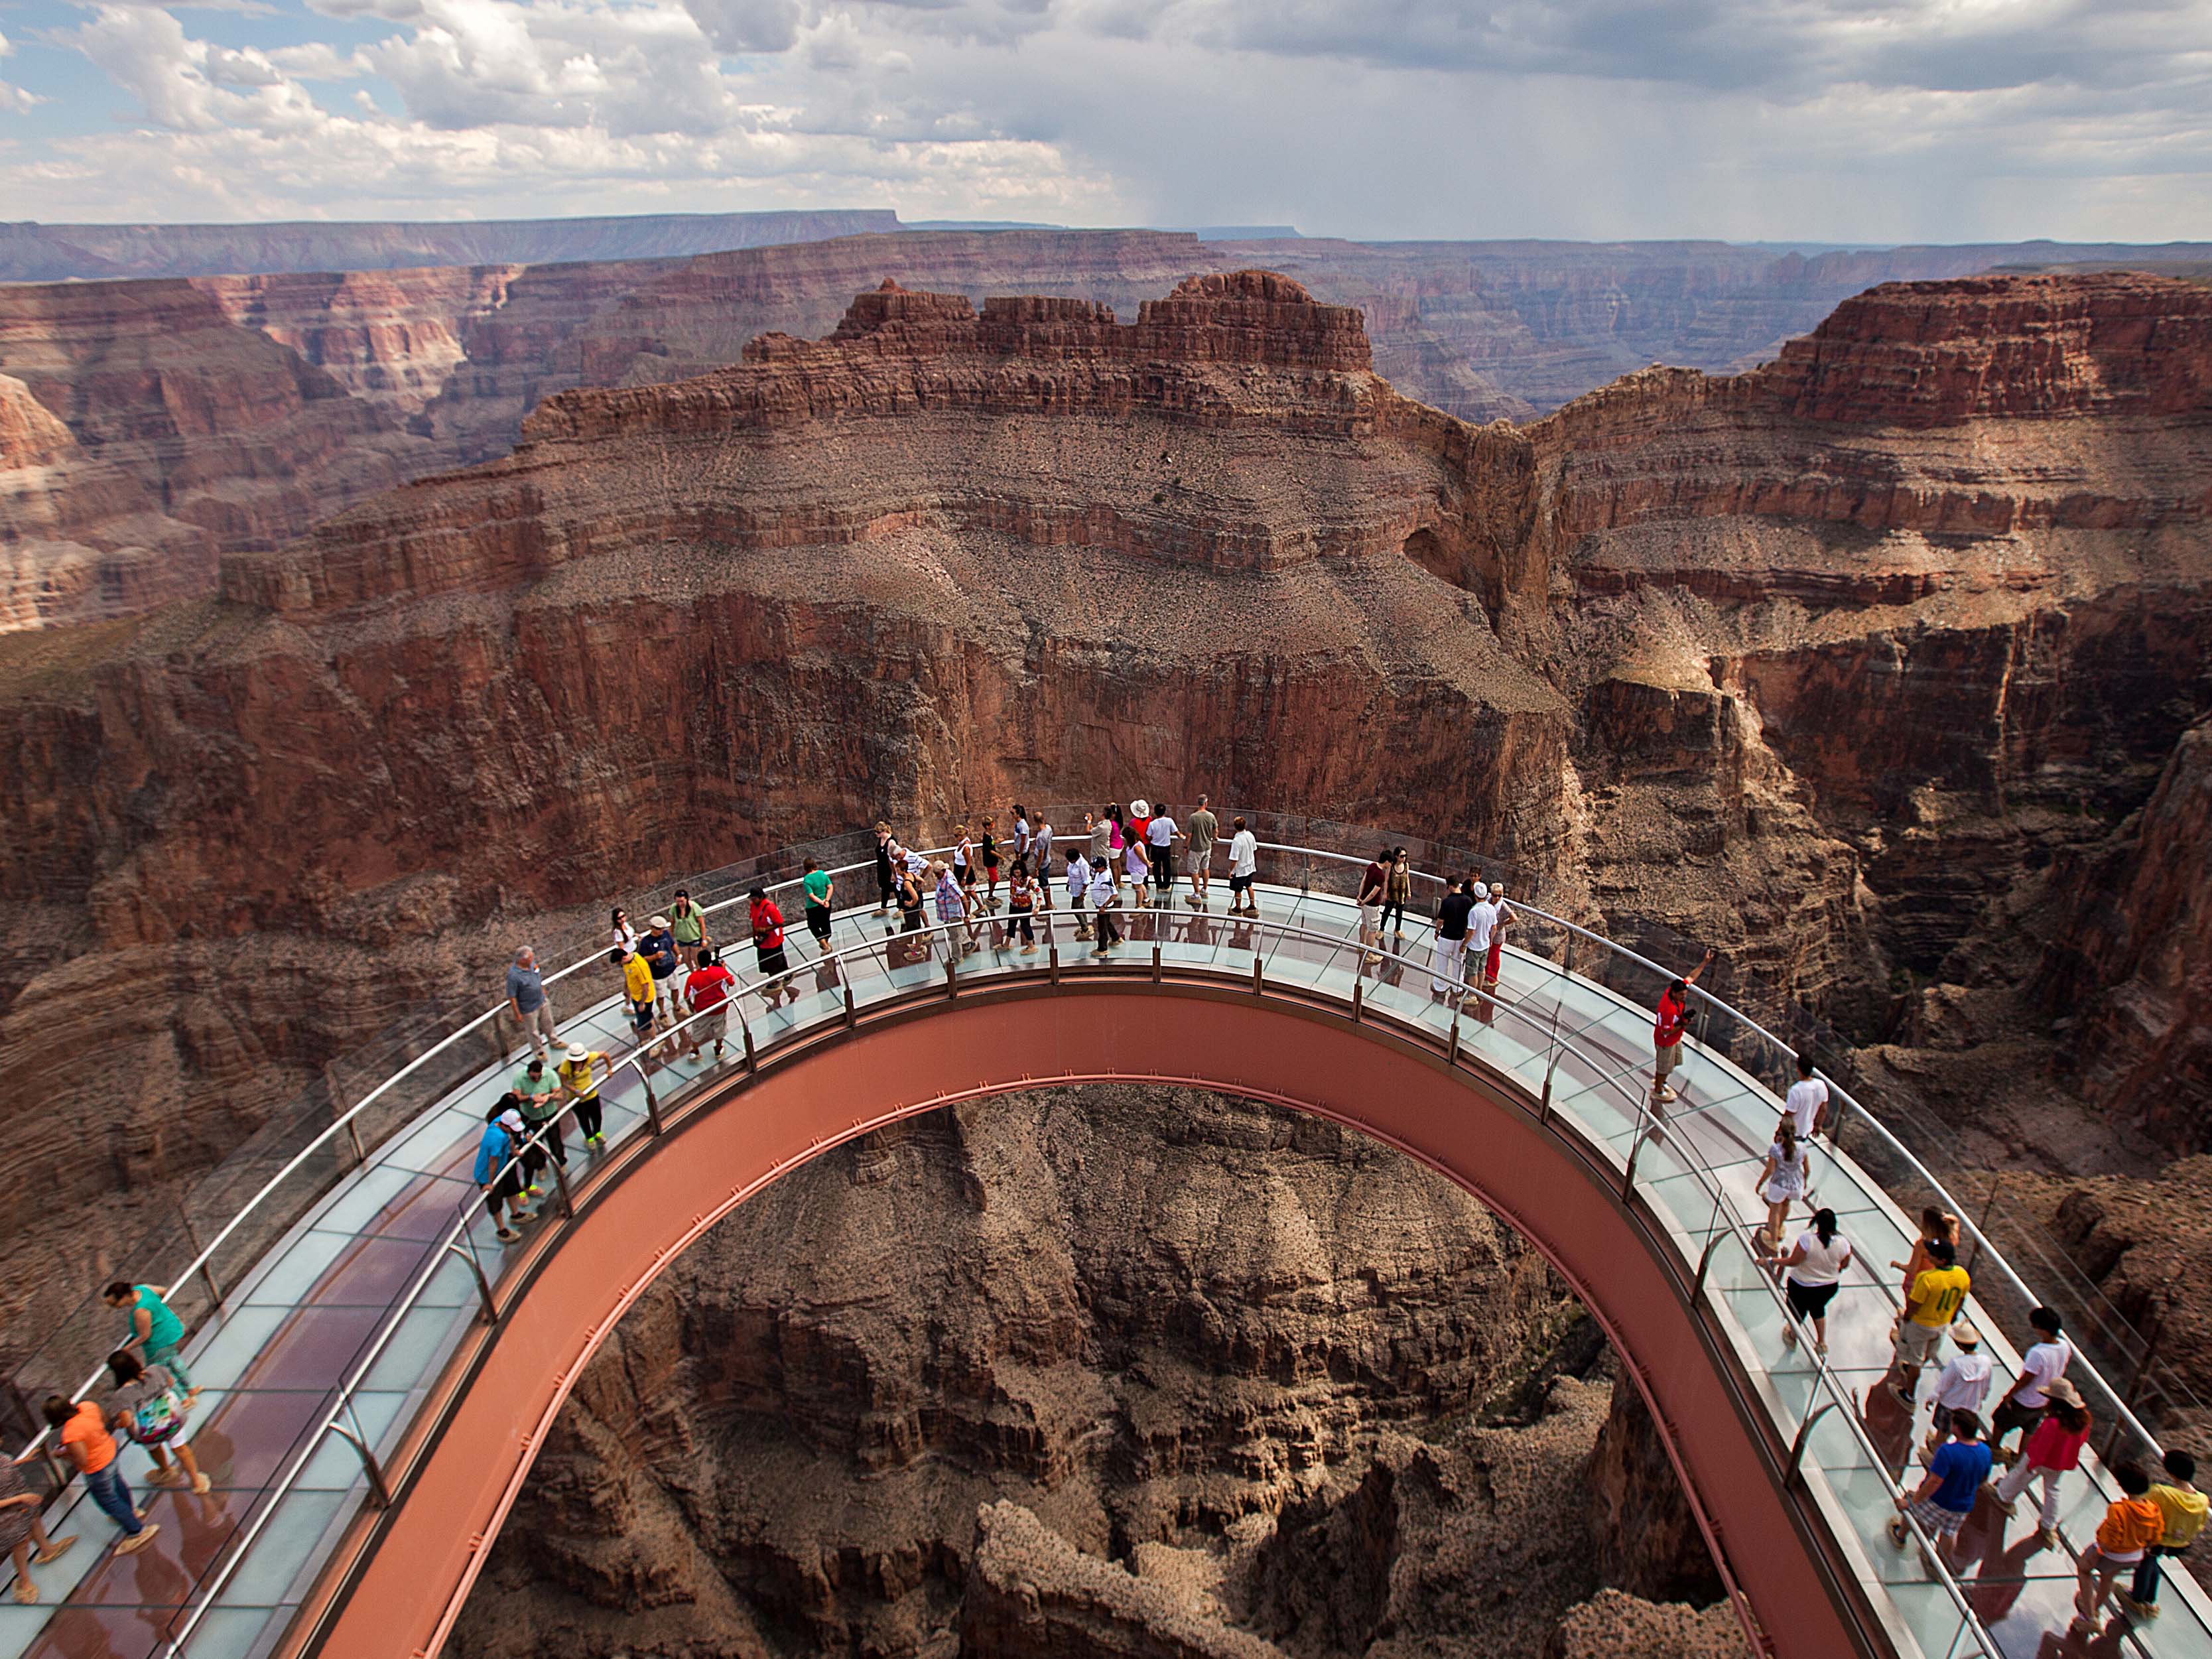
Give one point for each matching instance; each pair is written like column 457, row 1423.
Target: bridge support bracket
column 484, row 1284
column 369, row 1463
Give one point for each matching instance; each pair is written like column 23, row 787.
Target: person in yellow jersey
column 2182, row 1508
column 581, row 1071
column 1937, row 1296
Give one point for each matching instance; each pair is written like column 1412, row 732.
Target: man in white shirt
column 1807, row 1101
column 1243, row 865
column 1480, row 921
column 1962, row 1384
column 1078, row 888
column 1104, row 896
column 2028, row 1398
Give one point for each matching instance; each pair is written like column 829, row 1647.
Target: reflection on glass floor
column 272, row 1362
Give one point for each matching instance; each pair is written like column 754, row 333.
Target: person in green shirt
column 538, row 1095
column 818, row 883
column 687, row 923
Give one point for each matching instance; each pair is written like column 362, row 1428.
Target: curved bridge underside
column 399, row 1578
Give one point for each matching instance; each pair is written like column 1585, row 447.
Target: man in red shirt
column 1667, row 1030
column 708, row 992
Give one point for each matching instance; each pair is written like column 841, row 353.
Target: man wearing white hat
column 658, row 947
column 1481, row 919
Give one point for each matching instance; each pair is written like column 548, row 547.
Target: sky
column 1816, row 120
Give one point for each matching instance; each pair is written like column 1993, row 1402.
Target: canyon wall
column 1110, row 1372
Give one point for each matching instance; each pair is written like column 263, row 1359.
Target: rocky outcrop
column 1613, row 1623
column 1645, row 1537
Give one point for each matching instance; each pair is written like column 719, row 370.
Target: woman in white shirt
column 1244, row 863
column 1811, row 1273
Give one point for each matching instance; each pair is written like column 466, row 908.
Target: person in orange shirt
column 82, row 1427
column 2131, row 1525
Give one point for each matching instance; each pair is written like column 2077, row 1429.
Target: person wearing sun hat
column 581, row 1076
column 1963, row 1383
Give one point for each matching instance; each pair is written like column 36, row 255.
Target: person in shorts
column 707, row 993
column 1811, row 1272
column 1945, row 1498
column 23, row 1537
column 148, row 1405
column 687, row 926
column 1937, row 1296
column 986, row 849
column 1243, row 868
column 817, row 885
column 1202, row 829
column 657, row 944
column 498, row 1171
column 537, row 1090
column 1669, row 1028
column 2132, row 1525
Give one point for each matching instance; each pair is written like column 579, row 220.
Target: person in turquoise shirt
column 818, row 884
column 156, row 1333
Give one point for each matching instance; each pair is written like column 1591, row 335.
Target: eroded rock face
column 1116, row 1372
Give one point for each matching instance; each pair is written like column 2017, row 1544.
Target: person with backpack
column 498, row 1171
column 149, row 1409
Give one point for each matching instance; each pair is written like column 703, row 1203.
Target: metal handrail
column 1590, row 1148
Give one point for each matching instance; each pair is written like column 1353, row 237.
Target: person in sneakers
column 766, row 922
column 1201, row 832
column 2183, row 1508
column 657, row 944
column 1937, row 1296
column 1079, row 887
column 148, row 1405
column 2046, row 1361
column 1374, row 887
column 497, row 1170
column 1481, row 918
column 1244, row 870
column 1669, row 1028
column 1450, row 967
column 2053, row 1447
column 1041, row 860
column 1493, row 959
column 957, row 907
column 528, row 1002
column 87, row 1444
column 707, row 991
column 1963, row 1383
column 2131, row 1525
column 537, row 1090
column 1105, row 900
column 23, row 1537
column 1160, row 848
column 637, row 992
column 1021, row 903
column 1943, row 1500
column 580, row 1072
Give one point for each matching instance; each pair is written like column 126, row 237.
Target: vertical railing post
column 1258, row 988
column 1156, row 963
column 745, row 1030
column 561, row 1180
column 852, row 1013
column 1358, row 999
column 1052, row 953
column 953, row 978
column 1452, row 1046
column 651, row 1100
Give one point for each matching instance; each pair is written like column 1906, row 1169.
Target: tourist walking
column 581, row 1073
column 538, row 1098
column 23, row 1536
column 1159, row 847
column 528, row 1001
column 687, row 927
column 706, row 993
column 2024, row 1401
column 1201, row 832
column 2131, row 1525
column 1934, row 1223
column 156, row 1336
column 2049, row 1450
column 1374, row 882
column 963, row 857
column 1667, row 1031
column 1244, row 870
column 1105, row 900
column 1453, row 910
column 1937, row 1296
column 1807, row 1101
column 499, row 1170
column 1963, row 1384
column 766, row 922
column 1782, row 1181
column 1397, row 894
column 1945, row 1498
column 87, row 1445
column 1810, row 1274
column 148, row 1406
column 1079, row 889
column 2182, row 1508
column 954, row 905
column 657, row 944
column 818, row 887
column 883, row 873
column 1021, row 901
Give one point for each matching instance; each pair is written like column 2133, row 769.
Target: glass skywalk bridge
column 328, row 1308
